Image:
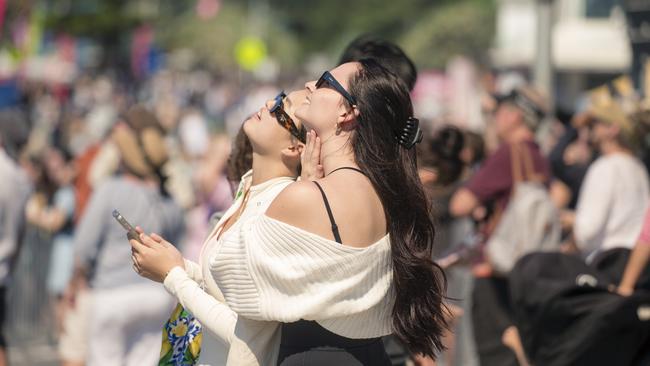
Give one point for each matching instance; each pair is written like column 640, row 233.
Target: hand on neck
column 336, row 152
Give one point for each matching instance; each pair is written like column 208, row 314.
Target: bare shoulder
column 294, row 203
column 359, row 212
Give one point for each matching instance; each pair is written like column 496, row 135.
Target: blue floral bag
column 181, row 339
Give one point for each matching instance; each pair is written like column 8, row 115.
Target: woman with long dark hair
column 345, row 259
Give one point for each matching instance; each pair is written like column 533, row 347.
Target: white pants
column 73, row 342
column 126, row 325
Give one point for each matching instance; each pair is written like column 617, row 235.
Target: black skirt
column 307, row 343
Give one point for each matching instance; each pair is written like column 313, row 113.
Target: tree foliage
column 430, row 31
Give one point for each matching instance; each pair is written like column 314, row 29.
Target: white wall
column 579, row 43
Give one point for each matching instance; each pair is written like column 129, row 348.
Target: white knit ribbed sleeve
column 193, row 270
column 213, row 315
column 282, row 273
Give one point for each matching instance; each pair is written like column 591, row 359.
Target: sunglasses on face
column 328, row 79
column 283, row 118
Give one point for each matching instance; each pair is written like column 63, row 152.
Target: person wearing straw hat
column 126, row 311
column 615, row 191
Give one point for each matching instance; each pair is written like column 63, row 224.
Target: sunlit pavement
column 33, row 355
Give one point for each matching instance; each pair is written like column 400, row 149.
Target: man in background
column 487, row 194
column 14, row 193
column 388, row 54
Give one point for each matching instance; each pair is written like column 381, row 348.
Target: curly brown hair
column 241, row 157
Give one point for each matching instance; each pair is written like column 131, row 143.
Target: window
column 599, row 8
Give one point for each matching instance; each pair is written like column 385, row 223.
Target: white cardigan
column 280, row 273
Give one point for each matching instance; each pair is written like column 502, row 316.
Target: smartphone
column 130, row 230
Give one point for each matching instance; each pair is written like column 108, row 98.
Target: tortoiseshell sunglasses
column 285, row 120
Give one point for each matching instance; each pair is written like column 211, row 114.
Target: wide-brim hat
column 612, row 114
column 139, row 117
column 143, row 153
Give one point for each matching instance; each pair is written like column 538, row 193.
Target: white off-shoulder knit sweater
column 280, row 273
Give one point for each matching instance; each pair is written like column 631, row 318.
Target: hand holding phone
column 131, row 233
column 158, row 259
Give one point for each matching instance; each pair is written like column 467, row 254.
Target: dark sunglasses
column 329, row 79
column 284, row 120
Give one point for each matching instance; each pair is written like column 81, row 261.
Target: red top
column 493, row 183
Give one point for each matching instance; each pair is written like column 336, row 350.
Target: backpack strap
column 515, row 161
column 523, row 169
column 529, row 168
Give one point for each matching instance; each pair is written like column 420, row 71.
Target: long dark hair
column 384, row 106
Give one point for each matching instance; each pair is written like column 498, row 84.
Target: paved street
column 32, row 355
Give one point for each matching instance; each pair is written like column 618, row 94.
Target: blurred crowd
column 78, row 151
column 575, row 186
column 164, row 141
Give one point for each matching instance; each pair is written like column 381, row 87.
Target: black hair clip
column 410, row 134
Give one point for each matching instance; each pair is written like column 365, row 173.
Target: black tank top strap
column 348, row 167
column 335, row 228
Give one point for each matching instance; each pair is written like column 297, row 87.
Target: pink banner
column 140, row 47
column 3, row 9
